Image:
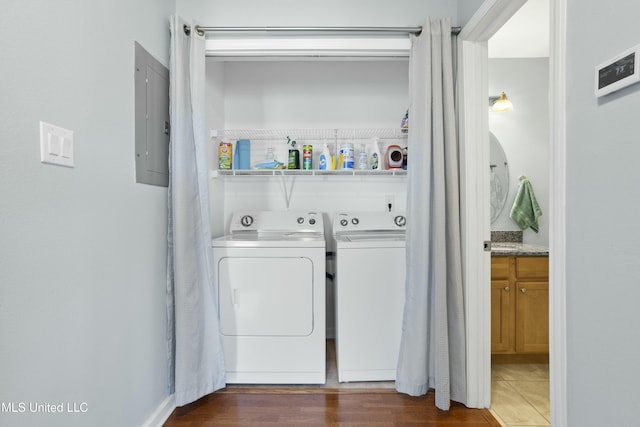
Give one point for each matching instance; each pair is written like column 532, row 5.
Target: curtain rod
column 410, row 30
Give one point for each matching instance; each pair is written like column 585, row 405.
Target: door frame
column 474, row 156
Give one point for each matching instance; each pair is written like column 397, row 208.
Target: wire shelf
column 300, row 172
column 309, row 134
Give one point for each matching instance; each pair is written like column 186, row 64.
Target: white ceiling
column 525, row 35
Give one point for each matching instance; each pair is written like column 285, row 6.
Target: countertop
column 517, row 249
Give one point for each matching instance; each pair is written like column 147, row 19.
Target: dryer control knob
column 344, row 222
column 300, row 220
column 312, row 221
column 400, row 221
column 355, row 221
column 246, row 220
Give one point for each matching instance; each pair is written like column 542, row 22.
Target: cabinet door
column 503, row 325
column 533, row 317
column 501, row 267
column 532, row 267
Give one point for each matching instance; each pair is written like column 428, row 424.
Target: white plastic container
column 346, row 156
column 375, row 160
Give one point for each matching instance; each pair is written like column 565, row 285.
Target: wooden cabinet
column 503, row 306
column 519, row 305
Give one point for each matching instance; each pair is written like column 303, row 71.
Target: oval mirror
column 499, row 177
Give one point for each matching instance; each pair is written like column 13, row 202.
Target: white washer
column 369, row 294
column 270, row 281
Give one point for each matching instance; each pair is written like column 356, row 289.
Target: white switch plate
column 56, row 145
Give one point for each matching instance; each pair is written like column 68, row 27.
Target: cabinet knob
column 506, row 289
column 523, row 290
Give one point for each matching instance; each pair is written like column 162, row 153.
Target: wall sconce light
column 500, row 104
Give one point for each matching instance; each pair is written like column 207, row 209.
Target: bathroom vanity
column 519, row 299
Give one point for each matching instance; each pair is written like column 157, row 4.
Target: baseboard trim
column 162, row 412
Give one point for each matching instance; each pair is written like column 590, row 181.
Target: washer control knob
column 344, row 222
column 400, row 220
column 355, row 221
column 312, row 221
column 300, row 220
column 246, row 220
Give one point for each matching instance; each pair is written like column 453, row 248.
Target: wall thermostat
column 618, row 72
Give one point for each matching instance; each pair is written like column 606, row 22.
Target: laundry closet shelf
column 302, row 135
column 289, row 172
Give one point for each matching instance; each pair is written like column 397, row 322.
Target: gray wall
column 523, row 134
column 316, row 12
column 82, row 251
column 603, row 199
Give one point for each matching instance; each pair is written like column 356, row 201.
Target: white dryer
column 270, row 282
column 369, row 294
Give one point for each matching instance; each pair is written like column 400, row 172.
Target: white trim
column 162, row 412
column 474, row 134
column 489, row 18
column 474, row 140
column 557, row 222
column 247, row 47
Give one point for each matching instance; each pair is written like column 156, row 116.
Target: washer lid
column 368, row 236
column 370, row 240
column 270, row 240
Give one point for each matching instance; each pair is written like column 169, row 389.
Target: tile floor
column 520, row 394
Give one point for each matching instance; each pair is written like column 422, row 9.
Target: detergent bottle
column 325, row 162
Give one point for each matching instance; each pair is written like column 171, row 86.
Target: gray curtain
column 196, row 358
column 432, row 349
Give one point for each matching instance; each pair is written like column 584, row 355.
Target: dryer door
column 265, row 296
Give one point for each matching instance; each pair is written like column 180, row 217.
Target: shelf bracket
column 288, row 183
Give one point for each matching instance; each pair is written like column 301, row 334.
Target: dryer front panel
column 265, row 296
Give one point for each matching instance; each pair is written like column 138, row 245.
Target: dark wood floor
column 281, row 406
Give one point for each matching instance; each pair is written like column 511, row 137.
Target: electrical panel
column 151, row 119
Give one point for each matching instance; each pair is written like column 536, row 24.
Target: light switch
column 56, row 145
column 67, row 148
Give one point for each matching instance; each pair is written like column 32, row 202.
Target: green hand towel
column 526, row 211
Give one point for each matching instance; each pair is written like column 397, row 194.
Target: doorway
column 474, row 135
column 519, row 67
